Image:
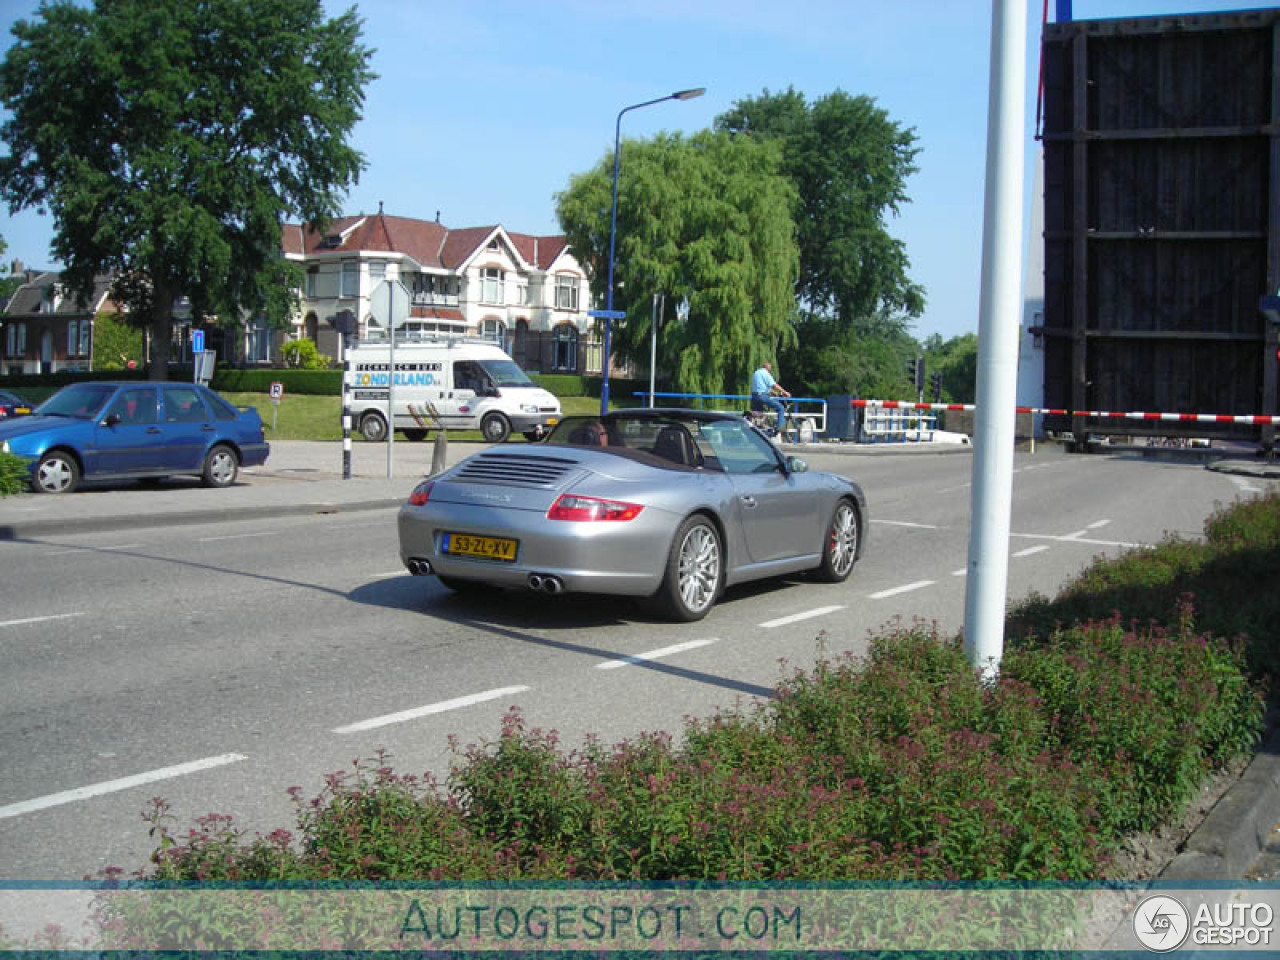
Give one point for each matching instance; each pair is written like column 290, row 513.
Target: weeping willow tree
column 707, row 217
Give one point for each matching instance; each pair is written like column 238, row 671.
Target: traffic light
column 915, row 372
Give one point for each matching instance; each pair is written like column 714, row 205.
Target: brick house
column 527, row 293
column 45, row 328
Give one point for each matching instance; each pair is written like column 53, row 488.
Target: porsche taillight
column 421, row 493
column 592, row 509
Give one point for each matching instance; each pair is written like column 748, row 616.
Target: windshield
column 84, row 400
column 505, row 373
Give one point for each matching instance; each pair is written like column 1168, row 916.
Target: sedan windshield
column 505, row 373
column 82, row 400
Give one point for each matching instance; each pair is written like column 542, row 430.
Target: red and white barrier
column 1261, row 419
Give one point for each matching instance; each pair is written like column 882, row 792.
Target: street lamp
column 609, row 314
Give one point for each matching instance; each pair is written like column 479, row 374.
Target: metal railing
column 815, row 409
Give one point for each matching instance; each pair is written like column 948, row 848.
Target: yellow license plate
column 489, row 548
column 552, row 421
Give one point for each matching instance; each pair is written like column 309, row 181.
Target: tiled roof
column 437, row 313
column 26, row 300
column 428, row 242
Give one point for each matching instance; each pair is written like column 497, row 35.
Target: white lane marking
column 53, row 616
column 960, row 573
column 1039, row 548
column 113, row 786
column 797, row 617
column 118, row 546
column 963, row 486
column 1077, row 537
column 1098, row 524
column 904, row 523
column 919, row 584
column 654, row 654
column 418, row 712
column 237, row 536
column 393, row 573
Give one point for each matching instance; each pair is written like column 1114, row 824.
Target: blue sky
column 484, row 108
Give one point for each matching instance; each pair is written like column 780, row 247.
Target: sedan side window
column 183, row 405
column 135, row 406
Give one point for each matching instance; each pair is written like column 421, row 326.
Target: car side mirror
column 111, row 420
column 796, row 465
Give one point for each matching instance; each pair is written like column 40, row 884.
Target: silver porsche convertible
column 669, row 504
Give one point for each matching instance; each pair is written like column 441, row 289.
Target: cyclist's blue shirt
column 762, row 381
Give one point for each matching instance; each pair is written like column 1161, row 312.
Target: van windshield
column 505, row 373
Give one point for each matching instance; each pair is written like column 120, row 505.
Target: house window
column 313, row 274
column 565, row 348
column 258, row 345
column 86, row 337
column 566, row 292
column 491, row 328
column 16, row 339
column 491, row 285
column 350, row 278
column 377, row 271
column 522, row 294
column 73, row 337
column 521, row 344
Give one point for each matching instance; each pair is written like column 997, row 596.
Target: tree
column 170, row 138
column 707, row 217
column 957, row 360
column 849, row 163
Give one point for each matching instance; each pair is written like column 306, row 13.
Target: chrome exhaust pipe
column 552, row 585
column 419, row 567
column 535, row 581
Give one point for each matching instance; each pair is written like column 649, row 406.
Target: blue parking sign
column 197, row 341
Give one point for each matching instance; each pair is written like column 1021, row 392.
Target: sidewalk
column 299, row 477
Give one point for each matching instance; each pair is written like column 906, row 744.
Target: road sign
column 390, row 302
column 197, row 341
column 277, row 391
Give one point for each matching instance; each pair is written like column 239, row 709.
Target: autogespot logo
column 1161, row 923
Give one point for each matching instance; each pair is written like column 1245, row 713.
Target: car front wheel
column 57, row 472
column 695, row 571
column 220, row 467
column 840, row 546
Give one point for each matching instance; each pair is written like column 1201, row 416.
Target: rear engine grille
column 529, row 471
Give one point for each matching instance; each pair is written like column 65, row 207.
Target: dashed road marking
column 25, row 620
column 654, row 654
column 418, row 712
column 114, row 786
column 906, row 588
column 797, row 617
column 237, row 536
column 904, row 523
column 1040, row 548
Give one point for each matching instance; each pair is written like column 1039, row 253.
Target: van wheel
column 414, row 436
column 373, row 427
column 495, row 427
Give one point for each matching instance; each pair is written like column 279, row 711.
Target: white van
column 472, row 384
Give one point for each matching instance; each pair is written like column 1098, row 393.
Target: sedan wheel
column 695, row 570
column 220, row 467
column 840, row 548
column 57, row 472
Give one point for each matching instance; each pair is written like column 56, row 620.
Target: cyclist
column 765, row 392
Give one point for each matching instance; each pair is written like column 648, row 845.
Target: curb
column 22, row 530
column 1235, row 833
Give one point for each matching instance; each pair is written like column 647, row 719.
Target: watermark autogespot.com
column 1162, row 924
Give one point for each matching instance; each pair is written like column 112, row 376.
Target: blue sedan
column 12, row 405
column 114, row 431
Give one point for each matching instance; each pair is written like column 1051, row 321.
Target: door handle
column 208, row 428
column 153, row 429
column 748, row 501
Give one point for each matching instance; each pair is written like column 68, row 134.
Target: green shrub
column 15, row 474
column 304, row 355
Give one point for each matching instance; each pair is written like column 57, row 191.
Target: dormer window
column 494, row 246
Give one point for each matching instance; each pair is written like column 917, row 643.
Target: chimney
column 437, row 216
column 17, row 267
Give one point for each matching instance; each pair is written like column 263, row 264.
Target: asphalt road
column 216, row 666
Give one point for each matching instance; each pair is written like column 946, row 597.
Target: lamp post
column 609, row 314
